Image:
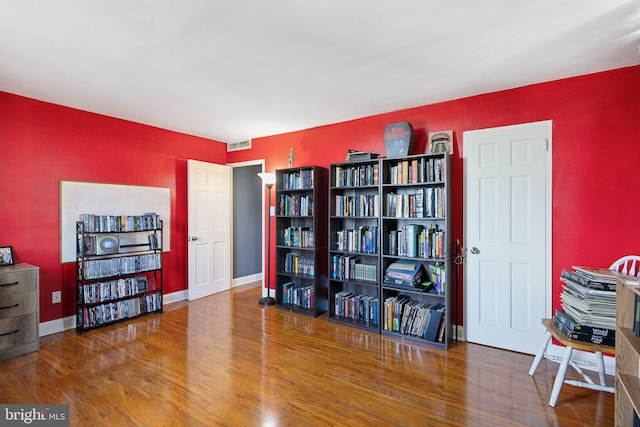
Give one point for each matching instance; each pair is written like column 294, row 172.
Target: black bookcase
column 388, row 218
column 354, row 244
column 118, row 268
column 301, row 240
column 416, row 236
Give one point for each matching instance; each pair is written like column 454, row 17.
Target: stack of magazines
column 589, row 305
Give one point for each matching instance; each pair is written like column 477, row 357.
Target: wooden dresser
column 19, row 310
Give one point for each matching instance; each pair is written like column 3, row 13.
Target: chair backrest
column 629, row 264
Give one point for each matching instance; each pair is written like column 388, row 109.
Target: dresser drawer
column 17, row 331
column 16, row 281
column 18, row 304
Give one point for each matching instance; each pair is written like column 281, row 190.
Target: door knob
column 475, row 250
column 192, row 238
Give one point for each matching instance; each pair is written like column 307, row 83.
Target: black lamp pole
column 268, row 300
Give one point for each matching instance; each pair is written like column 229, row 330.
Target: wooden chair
column 553, row 331
column 628, row 265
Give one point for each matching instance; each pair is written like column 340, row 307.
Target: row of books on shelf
column 300, row 296
column 298, row 237
column 589, row 301
column 362, row 239
column 360, row 308
column 363, row 205
column 417, row 171
column 578, row 332
column 407, row 316
column 106, row 313
column 91, row 293
column 298, row 180
column 296, row 205
column 429, row 202
column 295, row 263
column 93, row 223
column 357, row 176
column 98, row 268
column 351, row 268
column 414, row 240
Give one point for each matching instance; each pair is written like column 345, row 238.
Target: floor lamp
column 268, row 179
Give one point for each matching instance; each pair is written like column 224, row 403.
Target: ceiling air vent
column 242, row 145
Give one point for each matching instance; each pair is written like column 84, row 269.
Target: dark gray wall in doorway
column 247, row 224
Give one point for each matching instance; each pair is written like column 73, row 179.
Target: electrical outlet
column 56, row 297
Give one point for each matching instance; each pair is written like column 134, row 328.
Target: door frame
column 259, row 162
column 548, row 217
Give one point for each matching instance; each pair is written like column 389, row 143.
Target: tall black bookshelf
column 389, row 218
column 416, row 237
column 301, row 240
column 118, row 268
column 354, row 244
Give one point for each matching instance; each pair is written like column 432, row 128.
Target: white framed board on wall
column 78, row 198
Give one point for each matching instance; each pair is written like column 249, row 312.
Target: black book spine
column 584, row 337
column 636, row 316
column 574, row 326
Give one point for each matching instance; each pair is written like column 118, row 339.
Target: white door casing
column 209, row 234
column 507, row 235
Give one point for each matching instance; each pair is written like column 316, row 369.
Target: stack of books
column 575, row 331
column 357, row 156
column 589, row 305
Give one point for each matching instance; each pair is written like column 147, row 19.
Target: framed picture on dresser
column 6, row 255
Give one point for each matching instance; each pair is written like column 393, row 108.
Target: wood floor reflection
column 226, row 361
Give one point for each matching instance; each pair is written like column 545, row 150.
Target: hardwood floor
column 226, row 361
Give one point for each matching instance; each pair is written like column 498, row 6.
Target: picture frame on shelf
column 440, row 142
column 6, row 255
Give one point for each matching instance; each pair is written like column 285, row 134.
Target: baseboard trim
column 175, row 297
column 241, row 281
column 69, row 322
column 458, row 333
column 57, row 325
column 245, row 280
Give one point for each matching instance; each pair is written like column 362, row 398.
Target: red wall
column 596, row 156
column 42, row 144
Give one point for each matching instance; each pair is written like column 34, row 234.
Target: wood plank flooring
column 226, row 361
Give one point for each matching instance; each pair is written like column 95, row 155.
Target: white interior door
column 209, row 199
column 507, row 199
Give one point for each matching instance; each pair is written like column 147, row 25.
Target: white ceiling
column 231, row 70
